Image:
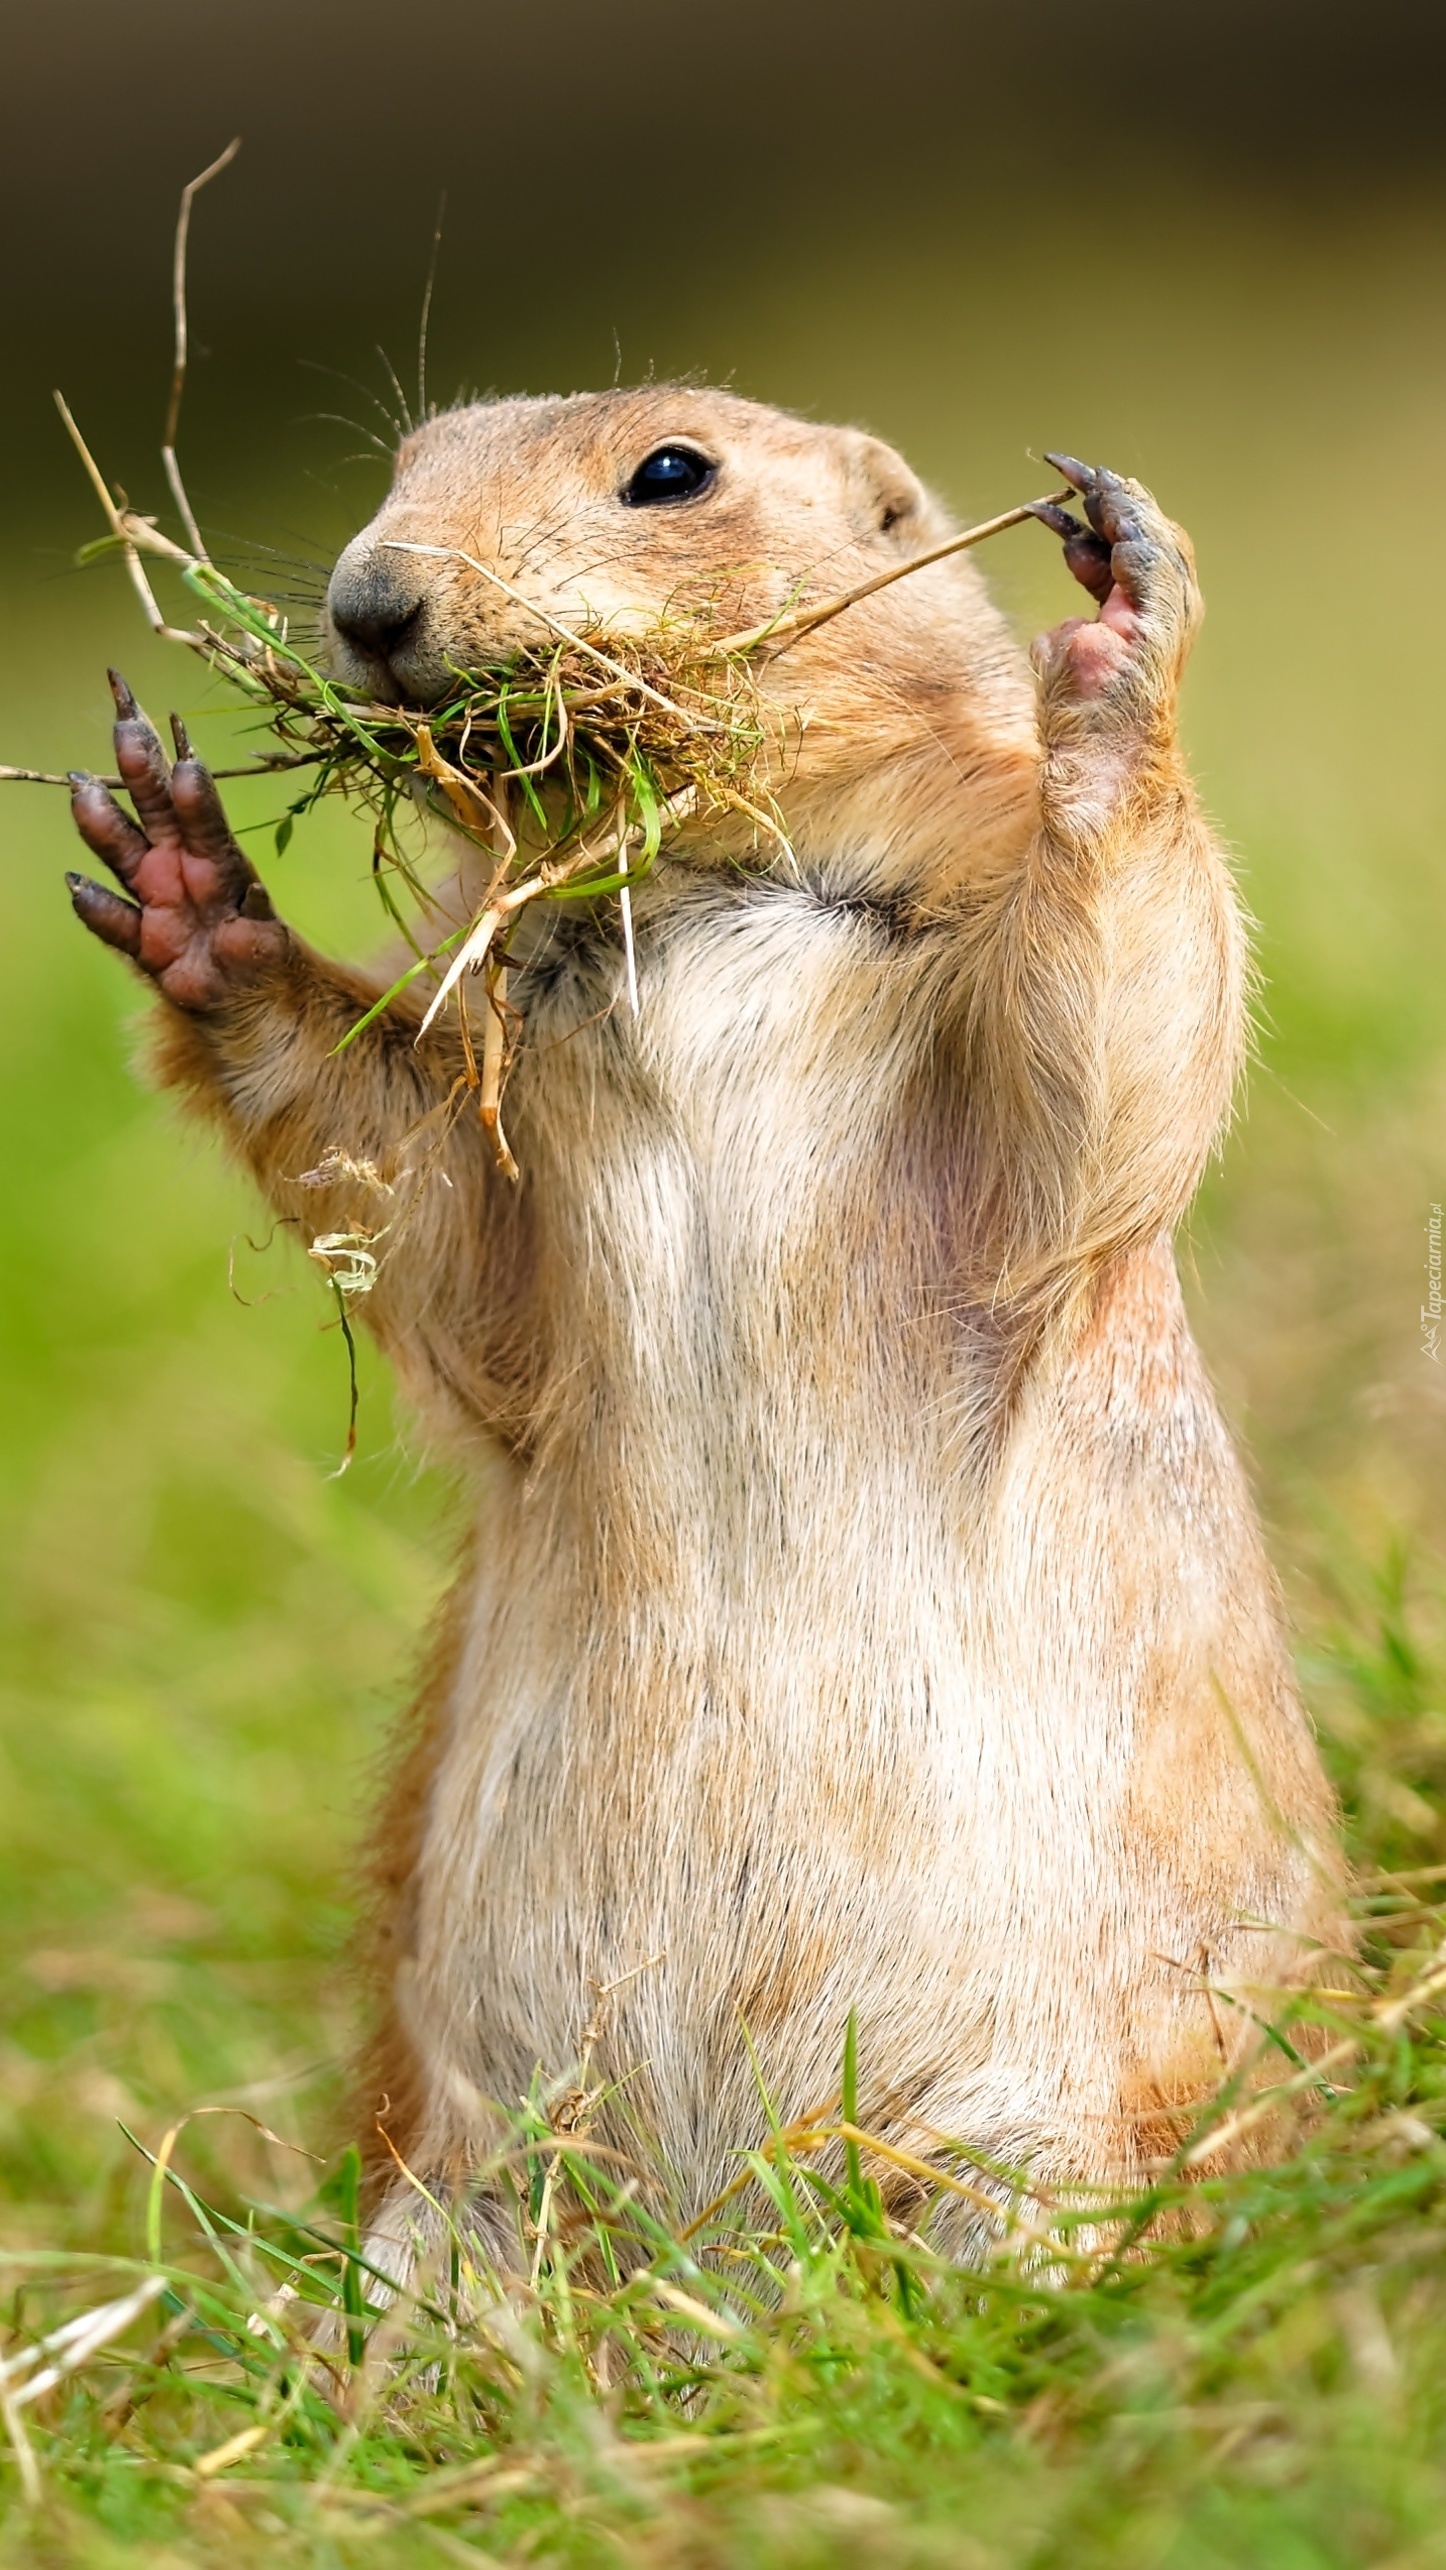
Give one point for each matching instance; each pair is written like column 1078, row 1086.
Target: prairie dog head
column 619, row 510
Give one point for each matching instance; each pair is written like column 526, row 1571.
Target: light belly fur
column 880, row 1756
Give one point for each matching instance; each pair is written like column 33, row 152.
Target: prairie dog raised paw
column 1125, row 661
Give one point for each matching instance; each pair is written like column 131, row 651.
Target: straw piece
column 790, row 629
column 189, row 194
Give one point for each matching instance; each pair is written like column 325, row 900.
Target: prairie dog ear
column 887, row 499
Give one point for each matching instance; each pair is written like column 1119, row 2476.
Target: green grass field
column 204, row 1634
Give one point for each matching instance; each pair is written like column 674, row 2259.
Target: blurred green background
column 1210, row 250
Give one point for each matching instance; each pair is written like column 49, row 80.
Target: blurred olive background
column 1205, row 244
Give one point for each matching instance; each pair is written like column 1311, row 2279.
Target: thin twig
column 189, row 193
column 132, row 532
column 779, row 630
column 117, row 784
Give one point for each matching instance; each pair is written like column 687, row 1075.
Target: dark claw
column 125, row 703
column 117, row 923
column 1107, row 500
column 77, row 778
column 182, row 738
column 1050, row 514
column 1083, row 476
column 1087, row 555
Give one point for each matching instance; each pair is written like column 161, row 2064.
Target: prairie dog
column 865, row 1608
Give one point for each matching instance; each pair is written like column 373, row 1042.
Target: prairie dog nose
column 376, row 599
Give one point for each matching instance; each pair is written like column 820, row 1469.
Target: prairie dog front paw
column 1126, row 660
column 198, row 919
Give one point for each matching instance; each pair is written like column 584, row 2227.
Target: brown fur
column 866, row 1607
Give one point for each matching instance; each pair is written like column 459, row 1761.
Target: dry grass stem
column 779, row 631
column 189, row 194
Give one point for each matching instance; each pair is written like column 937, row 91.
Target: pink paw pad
column 1094, row 650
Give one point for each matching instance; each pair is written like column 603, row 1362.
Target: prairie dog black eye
column 669, row 473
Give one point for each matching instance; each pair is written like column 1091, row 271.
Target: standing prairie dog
column 864, row 1608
